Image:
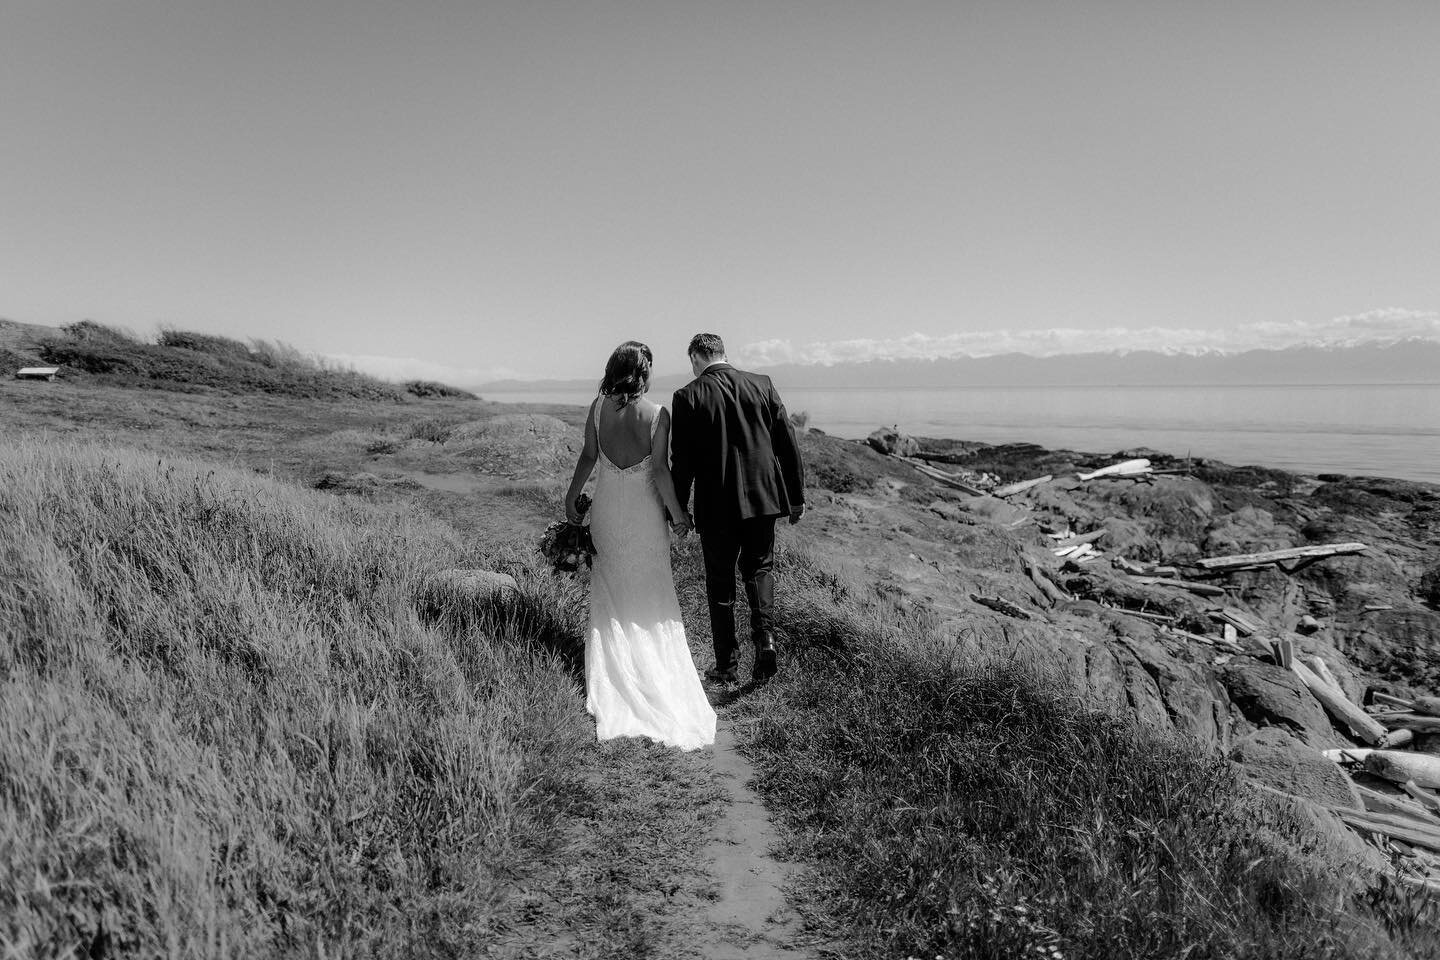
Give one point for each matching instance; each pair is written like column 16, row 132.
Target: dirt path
column 750, row 920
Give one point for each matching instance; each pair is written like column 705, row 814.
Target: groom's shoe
column 764, row 656
column 719, row 674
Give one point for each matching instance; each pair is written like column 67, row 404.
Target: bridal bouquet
column 566, row 545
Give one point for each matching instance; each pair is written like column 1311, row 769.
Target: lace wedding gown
column 640, row 680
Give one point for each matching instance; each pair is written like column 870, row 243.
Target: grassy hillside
column 229, row 731
column 196, row 362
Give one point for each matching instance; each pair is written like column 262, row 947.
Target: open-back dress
column 640, row 680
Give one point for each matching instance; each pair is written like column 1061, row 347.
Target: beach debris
column 1223, row 643
column 1323, row 672
column 36, row 373
column 1001, row 605
column 1237, row 619
column 1137, row 568
column 1391, row 803
column 1405, row 829
column 948, row 479
column 1010, row 489
column 1075, row 539
column 1429, row 706
column 1042, row 580
column 1396, row 738
column 1387, row 699
column 1304, row 556
column 1147, row 615
column 1429, row 800
column 1125, row 468
column 1339, row 706
column 1398, row 766
column 1202, row 589
column 1414, row 722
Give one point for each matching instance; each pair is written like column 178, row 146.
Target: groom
column 731, row 437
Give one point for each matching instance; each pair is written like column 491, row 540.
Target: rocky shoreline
column 1139, row 624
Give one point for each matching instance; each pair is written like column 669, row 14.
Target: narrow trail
column 750, row 919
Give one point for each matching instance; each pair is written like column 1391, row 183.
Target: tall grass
column 961, row 808
column 226, row 731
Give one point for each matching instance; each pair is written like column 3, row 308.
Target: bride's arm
column 660, row 470
column 583, row 468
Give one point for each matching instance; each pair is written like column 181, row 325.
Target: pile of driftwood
column 1401, row 814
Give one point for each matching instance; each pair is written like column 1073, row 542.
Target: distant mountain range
column 1404, row 361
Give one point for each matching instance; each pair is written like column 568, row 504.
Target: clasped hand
column 682, row 526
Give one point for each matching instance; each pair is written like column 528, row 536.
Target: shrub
column 433, row 429
column 432, row 388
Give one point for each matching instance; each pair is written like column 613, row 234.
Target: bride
column 639, row 677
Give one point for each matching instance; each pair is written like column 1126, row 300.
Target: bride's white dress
column 640, row 680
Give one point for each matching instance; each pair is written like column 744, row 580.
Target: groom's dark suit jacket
column 731, row 438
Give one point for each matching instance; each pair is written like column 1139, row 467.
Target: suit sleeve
column 787, row 452
column 682, row 454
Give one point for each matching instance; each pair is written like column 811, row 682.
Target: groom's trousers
column 750, row 544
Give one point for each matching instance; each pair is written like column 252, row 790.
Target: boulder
column 889, row 440
column 1247, row 530
column 1270, row 696
column 479, row 584
column 995, row 509
column 1277, row 759
column 1189, row 694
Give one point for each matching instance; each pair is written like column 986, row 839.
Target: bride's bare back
column 625, row 434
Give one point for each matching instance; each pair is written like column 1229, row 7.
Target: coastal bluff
column 1096, row 566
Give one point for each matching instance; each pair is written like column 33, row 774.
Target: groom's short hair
column 707, row 346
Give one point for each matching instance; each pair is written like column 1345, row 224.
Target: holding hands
column 683, row 525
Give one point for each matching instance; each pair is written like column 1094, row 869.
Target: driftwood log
column 1399, row 828
column 1010, row 489
column 1366, row 727
column 1303, row 555
column 1398, row 767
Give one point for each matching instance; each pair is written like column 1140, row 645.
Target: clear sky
column 520, row 186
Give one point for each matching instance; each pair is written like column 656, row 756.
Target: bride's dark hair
column 627, row 373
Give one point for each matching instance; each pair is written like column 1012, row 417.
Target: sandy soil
column 750, row 920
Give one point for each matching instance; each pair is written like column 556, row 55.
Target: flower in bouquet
column 567, row 545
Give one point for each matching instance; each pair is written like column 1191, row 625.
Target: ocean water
column 1390, row 430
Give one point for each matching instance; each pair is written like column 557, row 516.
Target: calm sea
column 1384, row 430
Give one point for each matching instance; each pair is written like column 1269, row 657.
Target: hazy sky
column 520, row 186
